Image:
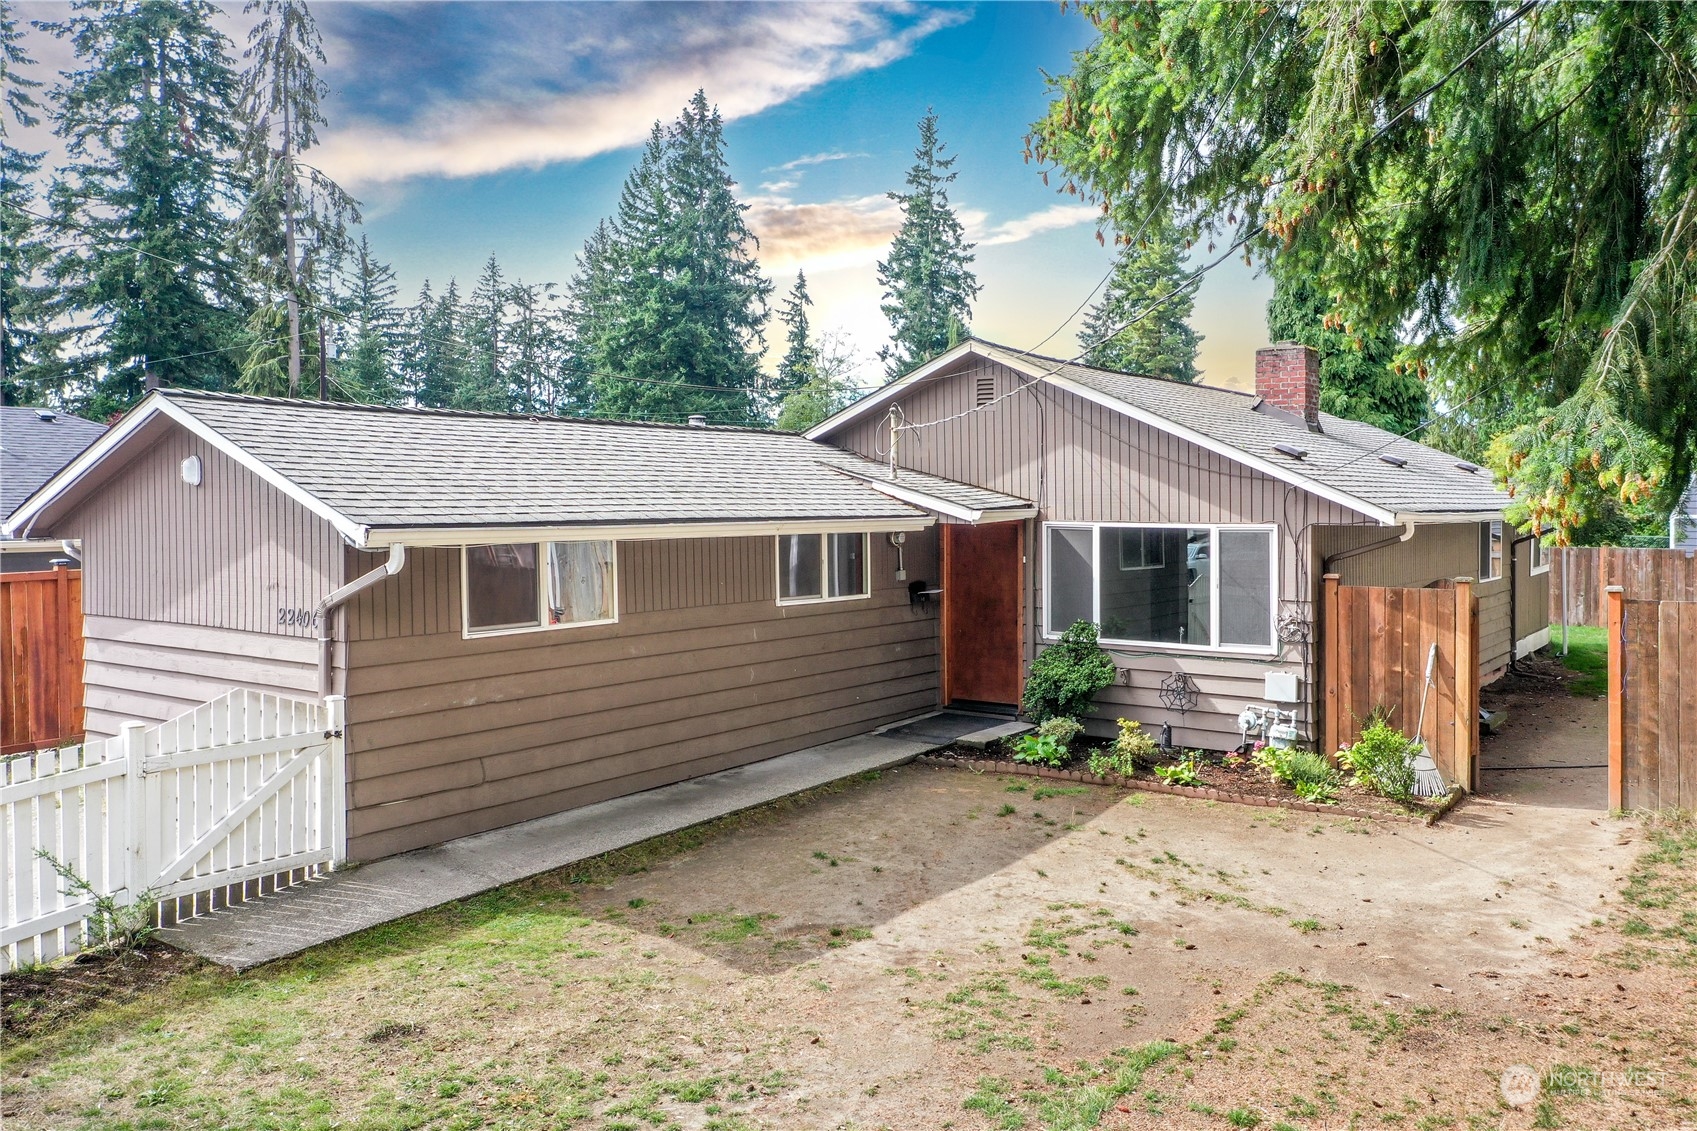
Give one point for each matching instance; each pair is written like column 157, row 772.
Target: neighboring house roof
column 425, row 476
column 34, row 444
column 1341, row 462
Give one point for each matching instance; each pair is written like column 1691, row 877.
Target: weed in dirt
column 1082, row 1098
column 1006, row 811
column 1662, row 888
column 1043, row 793
column 1307, row 926
column 991, row 1099
column 1243, row 1117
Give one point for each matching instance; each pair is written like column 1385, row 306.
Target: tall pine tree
column 669, row 304
column 1135, row 328
column 366, row 370
column 29, row 373
column 149, row 126
column 484, row 388
column 1358, row 375
column 436, row 358
column 927, row 279
column 800, row 363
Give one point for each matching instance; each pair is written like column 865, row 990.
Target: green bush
column 1062, row 729
column 1310, row 776
column 1183, row 772
column 1038, row 749
column 1132, row 750
column 1067, row 676
column 1382, row 760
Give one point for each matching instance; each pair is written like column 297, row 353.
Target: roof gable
column 34, row 444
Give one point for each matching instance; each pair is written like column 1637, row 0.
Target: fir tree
column 29, row 373
column 484, row 387
column 671, row 322
column 927, row 279
column 1358, row 376
column 366, row 371
column 436, row 358
column 800, row 363
column 541, row 375
column 149, row 128
column 1135, row 328
column 293, row 211
column 828, row 390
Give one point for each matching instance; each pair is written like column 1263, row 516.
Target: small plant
column 1243, row 1117
column 1310, row 776
column 1382, row 760
column 1183, row 772
column 114, row 926
column 1063, row 729
column 1067, row 676
column 1038, row 749
column 1132, row 750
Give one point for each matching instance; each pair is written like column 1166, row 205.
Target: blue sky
column 508, row 128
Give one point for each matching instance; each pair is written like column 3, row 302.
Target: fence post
column 1330, row 736
column 1467, row 685
column 1616, row 623
column 132, row 740
column 336, row 725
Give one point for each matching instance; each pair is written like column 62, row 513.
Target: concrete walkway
column 342, row 903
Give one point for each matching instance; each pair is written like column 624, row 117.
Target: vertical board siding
column 1653, row 731
column 1579, row 575
column 1083, row 462
column 702, row 671
column 233, row 553
column 41, row 667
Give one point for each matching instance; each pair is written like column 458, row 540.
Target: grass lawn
column 1587, row 655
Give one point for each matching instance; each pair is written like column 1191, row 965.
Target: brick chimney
column 1287, row 376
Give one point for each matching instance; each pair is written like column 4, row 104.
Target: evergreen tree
column 294, row 213
column 29, row 370
column 800, row 363
column 1130, row 329
column 828, row 390
column 1358, row 375
column 927, row 279
column 436, row 358
column 673, row 323
column 484, row 387
column 148, row 122
column 541, row 374
column 366, row 371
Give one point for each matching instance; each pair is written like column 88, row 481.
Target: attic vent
column 1470, row 468
column 985, row 391
column 45, row 415
column 1291, row 450
column 1394, row 461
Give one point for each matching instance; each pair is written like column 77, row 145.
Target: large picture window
column 526, row 586
column 1207, row 587
column 822, row 567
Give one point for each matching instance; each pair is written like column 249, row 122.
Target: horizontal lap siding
column 1083, row 462
column 702, row 672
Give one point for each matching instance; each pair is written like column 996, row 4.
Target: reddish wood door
column 983, row 587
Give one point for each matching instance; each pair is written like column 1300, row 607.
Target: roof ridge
column 457, row 413
column 1113, row 372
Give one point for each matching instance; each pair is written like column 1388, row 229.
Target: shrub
column 1382, row 761
column 1132, row 750
column 112, row 925
column 1067, row 676
column 1063, row 729
column 1183, row 772
column 1038, row 749
column 1310, row 776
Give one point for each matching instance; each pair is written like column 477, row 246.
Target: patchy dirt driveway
column 1553, row 751
column 933, row 948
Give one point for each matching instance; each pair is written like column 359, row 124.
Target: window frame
column 1491, row 550
column 469, row 633
column 825, row 537
column 1214, row 529
column 1539, row 562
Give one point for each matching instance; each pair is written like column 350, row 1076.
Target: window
column 1176, row 586
column 525, row 586
column 1491, row 550
column 1539, row 556
column 822, row 567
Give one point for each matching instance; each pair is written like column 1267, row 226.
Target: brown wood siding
column 703, row 671
column 228, row 554
column 1083, row 462
column 148, row 672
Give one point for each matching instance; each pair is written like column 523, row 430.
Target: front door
column 983, row 586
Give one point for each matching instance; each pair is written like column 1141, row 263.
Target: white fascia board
column 422, row 536
column 1236, row 454
column 92, row 456
column 880, row 397
column 1438, row 518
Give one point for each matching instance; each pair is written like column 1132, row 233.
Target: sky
column 508, row 128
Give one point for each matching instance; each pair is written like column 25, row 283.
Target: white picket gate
column 242, row 795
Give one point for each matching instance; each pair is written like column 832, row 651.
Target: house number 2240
column 296, row 618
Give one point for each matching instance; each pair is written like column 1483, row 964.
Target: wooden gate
column 40, row 659
column 239, row 796
column 1652, row 703
column 1374, row 646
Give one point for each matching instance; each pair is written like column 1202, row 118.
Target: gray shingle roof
column 32, row 450
column 421, row 467
column 947, row 490
column 1344, row 456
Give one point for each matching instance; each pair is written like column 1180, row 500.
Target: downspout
column 1407, row 533
column 71, row 551
column 321, row 614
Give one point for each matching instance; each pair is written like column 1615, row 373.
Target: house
column 34, row 444
column 527, row 615
column 1682, row 524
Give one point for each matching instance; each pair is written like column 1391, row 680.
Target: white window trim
column 469, row 633
column 824, row 569
column 1489, row 531
column 1540, row 553
column 1213, row 529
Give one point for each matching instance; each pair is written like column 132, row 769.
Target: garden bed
column 1244, row 783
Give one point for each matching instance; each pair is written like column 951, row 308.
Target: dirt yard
column 937, row 949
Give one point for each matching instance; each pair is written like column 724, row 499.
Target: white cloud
column 813, row 159
column 1051, row 219
column 777, row 187
column 748, row 59
column 822, row 236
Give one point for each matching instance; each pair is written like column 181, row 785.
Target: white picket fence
column 231, row 800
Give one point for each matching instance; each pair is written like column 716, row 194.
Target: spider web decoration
column 1178, row 693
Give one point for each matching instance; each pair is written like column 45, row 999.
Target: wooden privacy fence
column 41, row 689
column 1374, row 646
column 1580, row 577
column 1652, row 703
column 232, row 800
